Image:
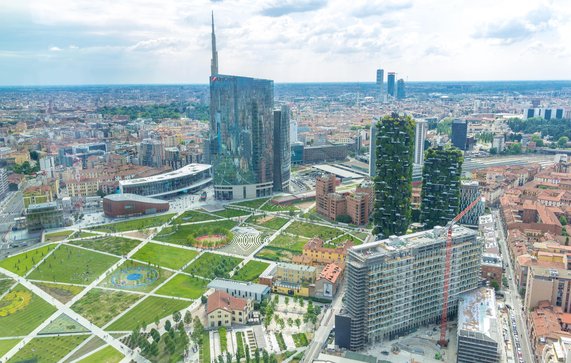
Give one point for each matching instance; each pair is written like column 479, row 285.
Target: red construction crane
column 443, row 342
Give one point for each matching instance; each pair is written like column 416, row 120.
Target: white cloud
column 55, row 49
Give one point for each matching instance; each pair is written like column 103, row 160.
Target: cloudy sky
column 168, row 41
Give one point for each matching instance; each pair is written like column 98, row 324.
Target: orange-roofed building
column 547, row 324
column 223, row 309
column 328, row 282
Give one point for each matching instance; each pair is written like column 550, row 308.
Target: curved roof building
column 125, row 205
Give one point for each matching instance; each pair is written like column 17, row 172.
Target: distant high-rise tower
column 460, row 134
column 400, row 90
column 391, row 79
column 282, row 150
column 393, row 182
column 419, row 138
column 293, row 131
column 373, row 151
column 440, row 186
column 380, row 80
column 214, row 60
column 241, row 134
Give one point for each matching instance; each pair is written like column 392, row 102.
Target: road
column 512, row 297
column 327, row 323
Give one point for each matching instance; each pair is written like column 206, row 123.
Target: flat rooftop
column 128, row 197
column 409, row 241
column 477, row 313
column 186, row 170
column 342, row 173
column 223, row 284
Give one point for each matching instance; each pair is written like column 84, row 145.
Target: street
column 520, row 333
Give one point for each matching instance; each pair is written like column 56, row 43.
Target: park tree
column 257, row 356
column 220, row 359
column 286, row 300
column 297, row 322
column 563, row 220
column 562, row 142
column 247, row 355
column 187, row 318
column 168, row 325
column 290, row 322
column 265, row 356
column 155, row 335
column 176, row 316
column 228, row 357
column 495, row 285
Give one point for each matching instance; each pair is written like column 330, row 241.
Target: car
column 384, row 352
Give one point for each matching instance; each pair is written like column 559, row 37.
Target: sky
column 47, row 42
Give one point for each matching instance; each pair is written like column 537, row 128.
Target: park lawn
column 184, row 286
column 73, row 265
column 101, row 306
column 191, row 216
column 251, row 271
column 211, row 265
column 254, row 204
column 87, row 348
column 21, row 263
column 135, row 224
column 149, row 310
column 229, row 213
column 180, row 234
column 6, row 345
column 204, row 353
column 313, row 230
column 48, row 349
column 166, row 256
column 63, row 293
column 57, row 236
column 63, row 324
column 5, row 284
column 300, row 340
column 115, row 245
column 105, row 355
column 27, row 319
column 272, row 222
column 275, row 254
column 341, row 240
column 163, row 275
column 84, row 234
column 290, row 243
column 271, row 207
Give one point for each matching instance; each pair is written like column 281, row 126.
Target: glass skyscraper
column 282, row 150
column 241, row 136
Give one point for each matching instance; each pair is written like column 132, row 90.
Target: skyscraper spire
column 214, row 60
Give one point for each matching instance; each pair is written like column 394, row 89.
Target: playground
column 134, row 277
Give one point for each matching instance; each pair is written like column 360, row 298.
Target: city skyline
column 47, row 43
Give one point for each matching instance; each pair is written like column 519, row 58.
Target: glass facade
column 282, row 152
column 241, row 133
column 167, row 184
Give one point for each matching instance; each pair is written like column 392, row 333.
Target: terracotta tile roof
column 331, row 273
column 222, row 300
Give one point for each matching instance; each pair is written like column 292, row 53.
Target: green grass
column 251, row 271
column 73, row 265
column 135, row 224
column 167, row 256
column 163, row 275
column 115, row 245
column 191, row 216
column 57, row 236
column 255, row 203
column 271, row 207
column 84, row 234
column 63, row 293
column 24, row 321
column 49, row 349
column 105, row 355
column 300, row 340
column 88, row 347
column 229, row 213
column 289, row 243
column 281, row 342
column 147, row 311
column 20, row 264
column 211, row 265
column 101, row 306
column 6, row 345
column 275, row 254
column 184, row 286
column 205, row 348
column 5, row 285
column 223, row 339
column 186, row 234
column 274, row 223
column 341, row 239
column 63, row 324
column 240, row 343
column 313, row 230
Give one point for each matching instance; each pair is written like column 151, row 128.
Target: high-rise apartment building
column 460, row 134
column 151, row 153
column 324, row 185
column 470, row 191
column 241, row 134
column 380, row 81
column 419, row 137
column 282, row 150
column 396, row 284
column 393, row 183
column 440, row 186
column 401, row 95
column 373, row 151
column 391, row 81
column 3, row 183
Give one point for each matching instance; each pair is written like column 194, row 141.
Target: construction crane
column 444, row 322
